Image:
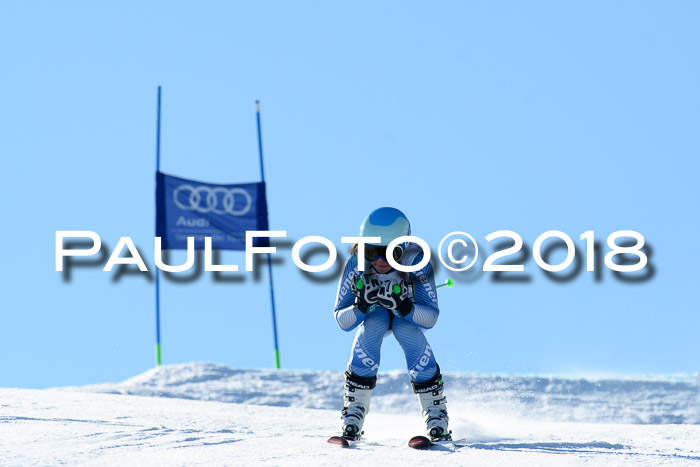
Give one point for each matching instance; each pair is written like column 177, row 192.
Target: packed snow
column 203, row 413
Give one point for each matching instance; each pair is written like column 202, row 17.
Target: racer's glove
column 365, row 289
column 393, row 295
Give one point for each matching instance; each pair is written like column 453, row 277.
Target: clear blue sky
column 473, row 116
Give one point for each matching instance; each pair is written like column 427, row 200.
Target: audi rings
column 218, row 200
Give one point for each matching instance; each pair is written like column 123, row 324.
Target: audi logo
column 218, row 200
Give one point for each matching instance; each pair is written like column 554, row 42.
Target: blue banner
column 187, row 208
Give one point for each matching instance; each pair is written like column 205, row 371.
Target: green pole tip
column 450, row 283
column 360, row 284
column 397, row 289
column 159, row 358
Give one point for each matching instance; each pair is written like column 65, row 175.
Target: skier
column 380, row 301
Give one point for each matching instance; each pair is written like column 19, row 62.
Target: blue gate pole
column 269, row 260
column 158, row 353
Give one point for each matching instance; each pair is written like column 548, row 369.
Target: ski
column 423, row 442
column 342, row 442
column 420, row 442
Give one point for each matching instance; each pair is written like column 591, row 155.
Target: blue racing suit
column 379, row 322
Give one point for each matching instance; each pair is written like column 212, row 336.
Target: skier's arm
column 425, row 307
column 346, row 313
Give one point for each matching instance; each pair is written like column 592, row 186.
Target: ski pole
column 449, row 283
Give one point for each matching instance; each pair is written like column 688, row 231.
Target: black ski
column 420, row 442
column 342, row 441
column 423, row 442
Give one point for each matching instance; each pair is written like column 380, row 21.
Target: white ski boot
column 434, row 408
column 357, row 394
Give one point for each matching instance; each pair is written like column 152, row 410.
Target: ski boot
column 357, row 393
column 433, row 407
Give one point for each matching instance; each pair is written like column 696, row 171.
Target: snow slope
column 210, row 414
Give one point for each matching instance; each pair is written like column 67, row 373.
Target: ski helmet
column 387, row 223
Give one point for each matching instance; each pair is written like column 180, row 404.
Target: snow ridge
column 607, row 400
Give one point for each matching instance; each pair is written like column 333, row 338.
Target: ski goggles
column 373, row 253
